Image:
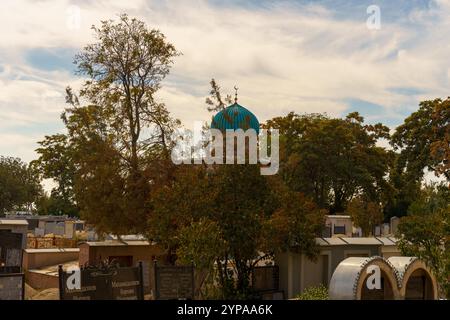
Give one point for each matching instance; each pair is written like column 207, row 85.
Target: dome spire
column 235, row 94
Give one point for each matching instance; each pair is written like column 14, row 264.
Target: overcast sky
column 303, row 56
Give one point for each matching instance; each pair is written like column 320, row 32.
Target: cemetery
column 325, row 177
column 132, row 268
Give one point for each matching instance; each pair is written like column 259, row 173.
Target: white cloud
column 19, row 145
column 283, row 58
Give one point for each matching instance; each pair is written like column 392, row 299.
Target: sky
column 302, row 56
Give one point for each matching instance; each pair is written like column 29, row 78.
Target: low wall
column 39, row 280
column 37, row 258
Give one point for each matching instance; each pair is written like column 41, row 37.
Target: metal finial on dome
column 235, row 94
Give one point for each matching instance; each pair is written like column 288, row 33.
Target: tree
column 125, row 68
column 227, row 218
column 365, row 214
column 423, row 143
column 19, row 185
column 333, row 160
column 424, row 140
column 216, row 102
column 56, row 161
column 295, row 223
column 402, row 191
column 425, row 232
column 53, row 204
column 118, row 143
column 223, row 199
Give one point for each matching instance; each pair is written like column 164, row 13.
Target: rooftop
column 338, row 216
column 127, row 237
column 368, row 241
column 52, row 250
column 16, row 222
column 117, row 243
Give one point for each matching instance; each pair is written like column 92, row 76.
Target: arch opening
column 385, row 293
column 419, row 286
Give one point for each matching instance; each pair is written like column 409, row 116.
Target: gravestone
column 386, row 229
column 265, row 282
column 12, row 286
column 146, row 274
column 265, row 278
column 377, row 231
column 69, row 231
column 92, row 236
column 174, row 282
column 39, row 232
column 59, row 230
column 10, row 249
column 394, row 224
column 50, row 227
column 112, row 283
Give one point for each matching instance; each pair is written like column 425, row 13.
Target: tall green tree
column 333, row 160
column 20, row 186
column 425, row 232
column 56, row 161
column 365, row 214
column 424, row 140
column 118, row 135
column 53, row 204
column 422, row 143
column 403, row 190
column 227, row 218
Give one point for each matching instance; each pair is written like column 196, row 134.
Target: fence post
column 155, row 265
column 61, row 281
column 23, row 286
column 141, row 280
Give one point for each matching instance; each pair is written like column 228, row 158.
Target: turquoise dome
column 235, row 117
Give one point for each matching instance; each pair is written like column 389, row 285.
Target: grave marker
column 10, row 249
column 12, row 286
column 174, row 282
column 96, row 283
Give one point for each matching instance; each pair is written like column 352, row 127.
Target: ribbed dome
column 235, row 117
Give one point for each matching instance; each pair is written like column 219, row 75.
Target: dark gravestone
column 128, row 284
column 10, row 239
column 265, row 282
column 12, row 286
column 104, row 284
column 10, row 249
column 174, row 282
column 265, row 278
